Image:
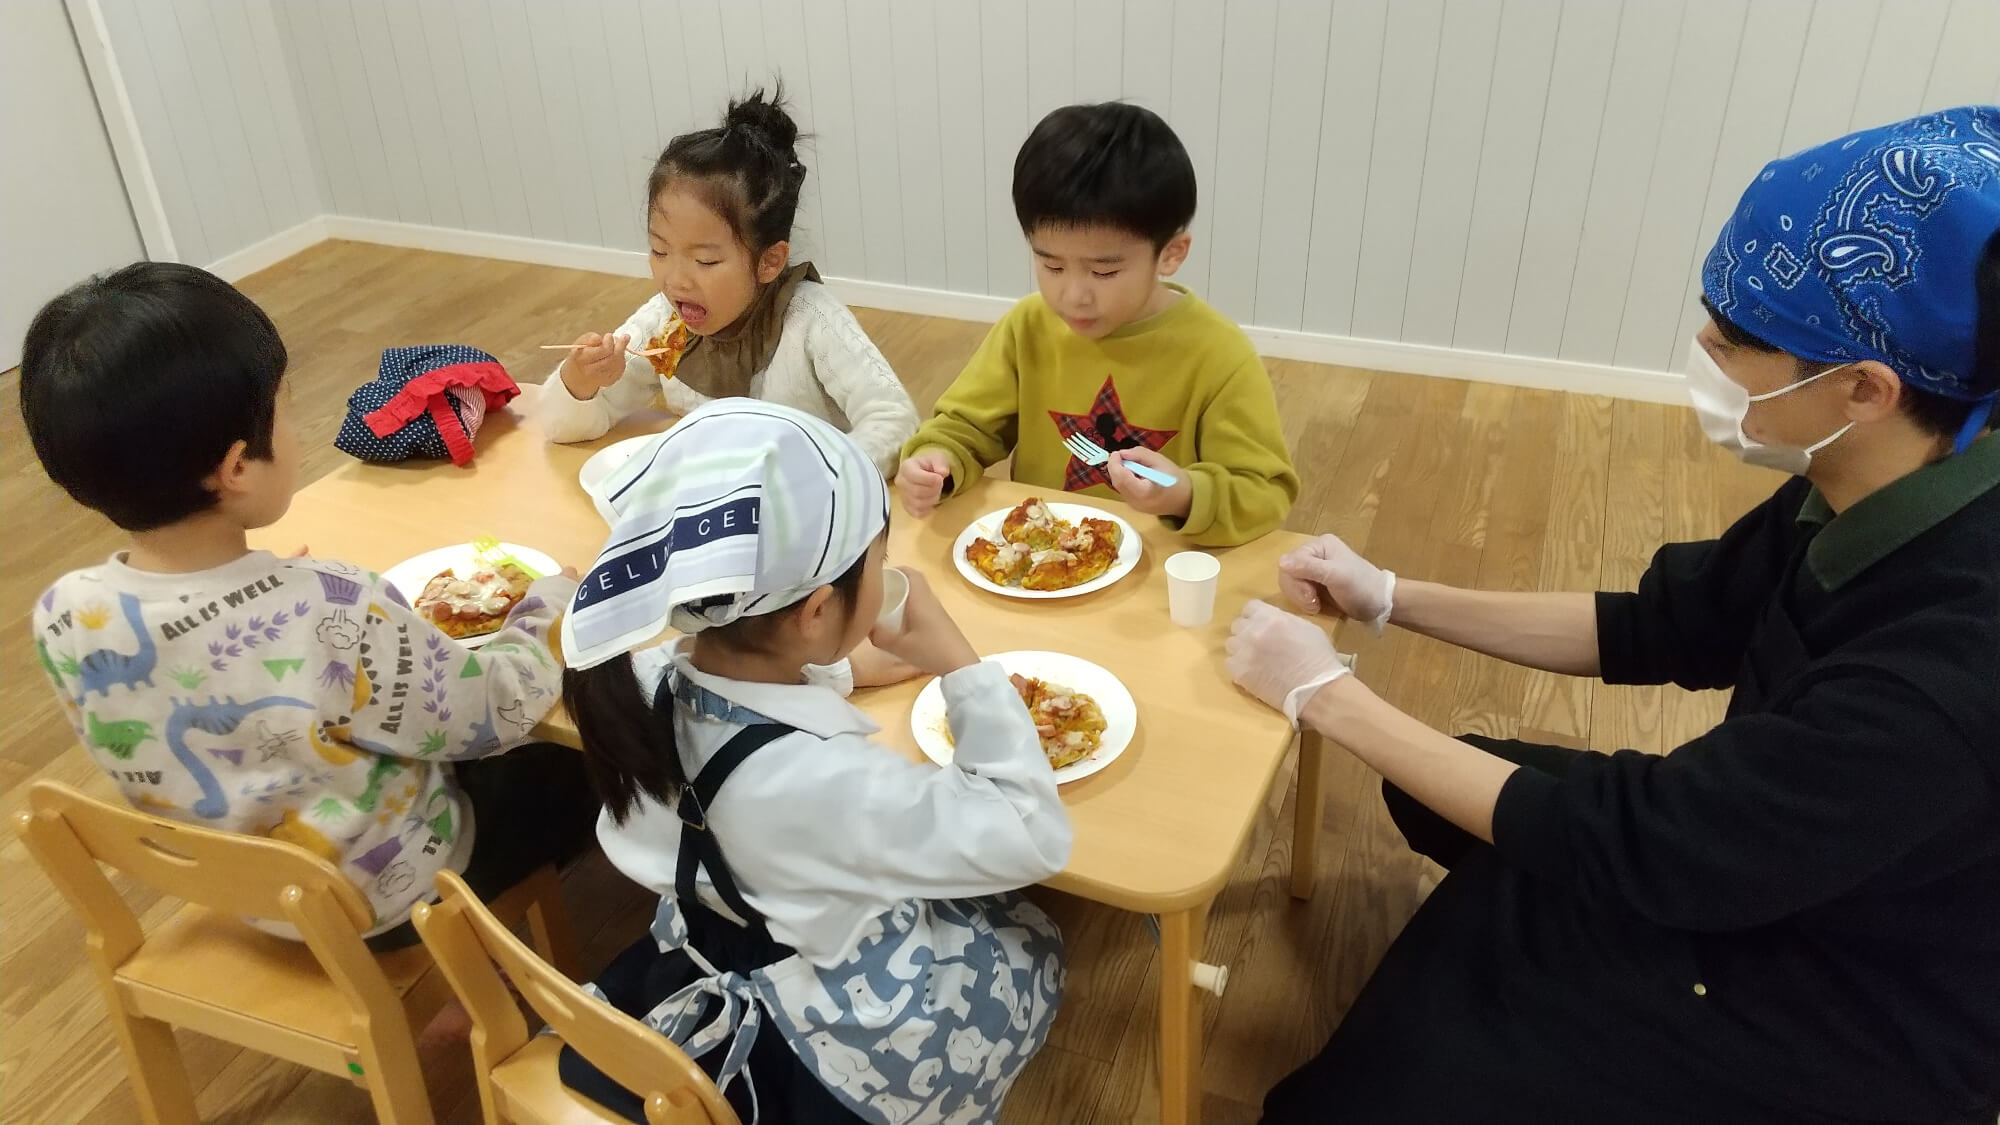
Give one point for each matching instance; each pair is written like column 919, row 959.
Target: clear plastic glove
column 920, row 481
column 1326, row 576
column 1281, row 658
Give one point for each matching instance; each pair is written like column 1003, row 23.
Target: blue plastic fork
column 1091, row 453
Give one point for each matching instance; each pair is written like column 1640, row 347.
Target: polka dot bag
column 425, row 403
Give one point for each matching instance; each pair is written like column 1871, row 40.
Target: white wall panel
column 1533, row 177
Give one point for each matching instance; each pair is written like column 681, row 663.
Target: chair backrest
column 246, row 876
column 474, row 948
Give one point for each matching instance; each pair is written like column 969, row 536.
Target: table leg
column 1308, row 810
column 1181, row 942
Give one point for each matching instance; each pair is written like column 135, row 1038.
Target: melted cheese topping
column 484, row 594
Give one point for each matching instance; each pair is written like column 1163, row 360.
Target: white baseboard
column 268, row 252
column 1280, row 343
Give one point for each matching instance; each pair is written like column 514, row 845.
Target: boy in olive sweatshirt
column 1110, row 350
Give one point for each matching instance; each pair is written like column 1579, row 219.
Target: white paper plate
column 1130, row 547
column 410, row 576
column 1121, row 715
column 602, row 464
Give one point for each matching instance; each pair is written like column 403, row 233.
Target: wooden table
column 1157, row 832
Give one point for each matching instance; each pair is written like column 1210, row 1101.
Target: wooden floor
column 1466, row 483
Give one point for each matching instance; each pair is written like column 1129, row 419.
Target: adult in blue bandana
column 1794, row 917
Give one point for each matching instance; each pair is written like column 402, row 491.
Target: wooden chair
column 516, row 1072
column 328, row 1003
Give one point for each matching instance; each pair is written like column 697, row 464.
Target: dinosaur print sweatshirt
column 300, row 699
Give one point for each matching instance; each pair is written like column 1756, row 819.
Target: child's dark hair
column 628, row 744
column 747, row 170
column 1934, row 413
column 1112, row 164
column 136, row 383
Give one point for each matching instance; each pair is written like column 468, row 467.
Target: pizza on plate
column 1070, row 723
column 1038, row 551
column 475, row 605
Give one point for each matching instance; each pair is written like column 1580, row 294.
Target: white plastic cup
column 1191, row 581
column 895, row 595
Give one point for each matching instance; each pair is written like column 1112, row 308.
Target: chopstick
column 628, row 351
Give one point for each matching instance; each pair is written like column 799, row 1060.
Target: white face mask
column 1723, row 404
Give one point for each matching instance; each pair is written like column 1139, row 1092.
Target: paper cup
column 1191, row 581
column 895, row 594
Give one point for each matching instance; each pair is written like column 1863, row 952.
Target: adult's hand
column 1327, row 576
column 1280, row 658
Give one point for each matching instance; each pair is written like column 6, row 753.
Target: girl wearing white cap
column 837, row 939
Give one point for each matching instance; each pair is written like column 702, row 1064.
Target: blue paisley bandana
column 1864, row 248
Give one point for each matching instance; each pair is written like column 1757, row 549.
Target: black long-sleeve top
column 1805, row 901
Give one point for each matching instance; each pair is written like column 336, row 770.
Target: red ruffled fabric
column 425, row 394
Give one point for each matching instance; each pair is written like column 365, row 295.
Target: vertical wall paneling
column 1899, row 62
column 1967, row 67
column 257, row 104
column 474, row 105
column 913, row 24
column 1509, row 150
column 872, row 73
column 1298, row 90
column 961, row 151
column 391, row 108
column 410, row 56
column 839, row 172
column 277, row 62
column 562, row 110
column 1052, row 56
column 1565, row 166
column 1767, row 65
column 545, row 172
column 322, row 127
column 1830, row 68
column 1003, row 77
column 1641, row 69
column 1200, row 42
column 1450, row 180
column 1536, row 178
column 1240, row 150
column 1697, row 97
column 785, row 42
column 1146, row 60
column 1396, row 166
column 1340, row 182
column 615, row 167
column 1100, row 50
column 246, row 192
column 149, row 110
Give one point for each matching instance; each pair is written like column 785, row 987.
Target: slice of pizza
column 1002, row 564
column 473, row 606
column 1051, row 570
column 1095, row 544
column 670, row 343
column 1031, row 523
column 1070, row 724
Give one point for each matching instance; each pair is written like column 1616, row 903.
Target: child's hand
column 871, row 667
column 1144, row 495
column 921, row 479
column 930, row 641
column 597, row 362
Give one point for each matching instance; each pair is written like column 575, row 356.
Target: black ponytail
column 628, row 743
column 746, row 171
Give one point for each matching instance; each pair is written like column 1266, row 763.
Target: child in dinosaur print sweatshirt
column 295, row 698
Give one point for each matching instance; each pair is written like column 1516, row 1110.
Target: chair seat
column 532, row 1092
column 199, row 959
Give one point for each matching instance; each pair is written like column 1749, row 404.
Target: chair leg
column 548, row 922
column 394, row 1077
column 159, row 1078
